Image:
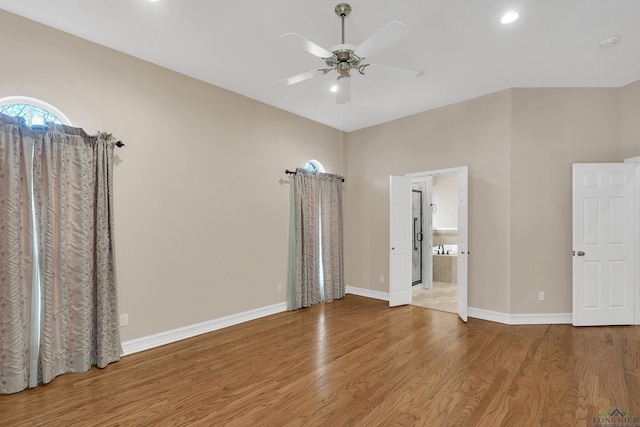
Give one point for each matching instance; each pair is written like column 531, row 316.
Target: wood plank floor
column 354, row 362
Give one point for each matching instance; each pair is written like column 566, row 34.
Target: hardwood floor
column 354, row 362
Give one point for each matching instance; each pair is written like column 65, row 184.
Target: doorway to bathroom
column 412, row 262
column 435, row 259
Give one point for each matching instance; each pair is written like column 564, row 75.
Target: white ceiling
column 460, row 44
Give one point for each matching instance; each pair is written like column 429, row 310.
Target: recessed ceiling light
column 609, row 42
column 509, row 17
column 334, row 88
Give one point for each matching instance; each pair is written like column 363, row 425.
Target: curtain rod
column 119, row 144
column 288, row 172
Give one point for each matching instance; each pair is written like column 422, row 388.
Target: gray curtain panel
column 77, row 325
column 317, row 236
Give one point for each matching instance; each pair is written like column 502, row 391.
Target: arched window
column 33, row 111
column 314, row 165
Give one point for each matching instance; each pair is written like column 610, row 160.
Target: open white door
column 400, row 240
column 463, row 247
column 603, row 249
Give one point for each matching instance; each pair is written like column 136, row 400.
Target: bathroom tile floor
column 443, row 296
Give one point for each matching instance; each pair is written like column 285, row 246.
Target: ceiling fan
column 344, row 58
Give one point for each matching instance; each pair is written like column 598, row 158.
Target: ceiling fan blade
column 385, row 69
column 343, row 94
column 307, row 45
column 298, row 78
column 389, row 34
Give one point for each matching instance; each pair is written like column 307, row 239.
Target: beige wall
column 552, row 129
column 475, row 133
column 200, row 210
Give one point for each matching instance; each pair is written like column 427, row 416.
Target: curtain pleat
column 73, row 200
column 107, row 320
column 317, row 215
column 16, row 257
column 307, row 289
column 332, row 243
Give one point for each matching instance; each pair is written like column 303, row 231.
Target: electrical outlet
column 279, row 287
column 382, row 278
column 124, row 319
column 541, row 296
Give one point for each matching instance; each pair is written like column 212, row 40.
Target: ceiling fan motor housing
column 343, row 59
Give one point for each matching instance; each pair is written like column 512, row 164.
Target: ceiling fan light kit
column 346, row 57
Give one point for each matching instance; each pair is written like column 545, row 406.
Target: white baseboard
column 492, row 316
column 480, row 313
column 367, row 293
column 542, row 319
column 162, row 338
column 521, row 319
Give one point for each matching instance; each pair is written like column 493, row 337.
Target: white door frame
column 427, row 226
column 463, row 225
column 636, row 278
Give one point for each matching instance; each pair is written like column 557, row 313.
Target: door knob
column 580, row 253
